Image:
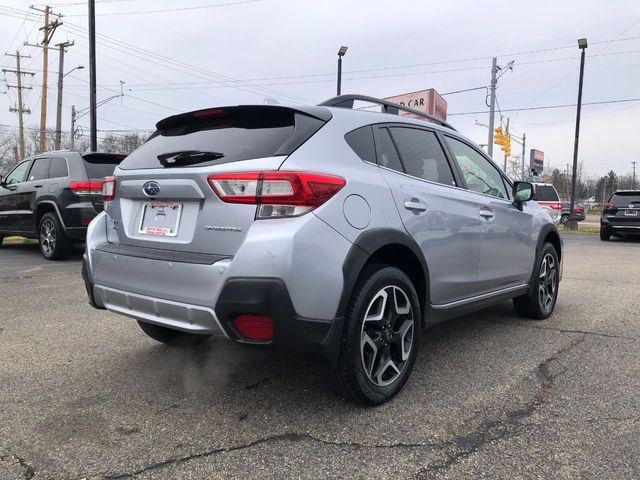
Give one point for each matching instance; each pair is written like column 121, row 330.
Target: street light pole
column 572, row 224
column 61, row 76
column 341, row 53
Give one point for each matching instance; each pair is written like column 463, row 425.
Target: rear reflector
column 279, row 193
column 254, row 327
column 86, row 188
column 108, row 188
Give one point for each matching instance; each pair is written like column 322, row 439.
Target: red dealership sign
column 427, row 101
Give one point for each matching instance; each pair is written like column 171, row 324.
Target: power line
column 169, row 9
column 547, row 107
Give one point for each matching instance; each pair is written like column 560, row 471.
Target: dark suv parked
column 621, row 215
column 53, row 197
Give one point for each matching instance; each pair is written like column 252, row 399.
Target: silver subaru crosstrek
column 322, row 229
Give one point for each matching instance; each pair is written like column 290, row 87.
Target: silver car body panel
column 468, row 256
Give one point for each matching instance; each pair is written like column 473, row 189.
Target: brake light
column 108, row 188
column 278, row 193
column 86, row 188
column 609, row 205
column 555, row 206
column 254, row 327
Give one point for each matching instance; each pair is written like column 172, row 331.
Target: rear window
column 624, row 199
column 545, row 193
column 100, row 165
column 238, row 133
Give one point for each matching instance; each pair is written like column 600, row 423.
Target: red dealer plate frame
column 160, row 219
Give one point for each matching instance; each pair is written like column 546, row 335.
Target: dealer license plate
column 160, row 219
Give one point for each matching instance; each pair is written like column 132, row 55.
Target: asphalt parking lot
column 84, row 394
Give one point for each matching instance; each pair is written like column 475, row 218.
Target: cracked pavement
column 84, row 394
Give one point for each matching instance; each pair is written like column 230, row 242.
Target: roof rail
column 346, row 101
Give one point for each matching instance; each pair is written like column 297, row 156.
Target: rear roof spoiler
column 346, row 101
column 310, row 110
column 97, row 157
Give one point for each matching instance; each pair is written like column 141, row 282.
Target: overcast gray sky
column 245, row 51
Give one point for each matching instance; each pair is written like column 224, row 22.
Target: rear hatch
column 623, row 208
column 163, row 199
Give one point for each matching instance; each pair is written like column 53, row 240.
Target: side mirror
column 522, row 192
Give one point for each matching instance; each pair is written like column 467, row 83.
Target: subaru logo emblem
column 151, row 189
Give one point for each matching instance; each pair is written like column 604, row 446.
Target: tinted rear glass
column 100, row 165
column 361, row 142
column 239, row 133
column 546, row 193
column 626, row 199
column 58, row 168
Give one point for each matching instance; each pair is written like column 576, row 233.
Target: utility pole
column 19, row 108
column 62, row 47
column 492, row 104
column 604, row 190
column 633, row 181
column 573, row 223
column 47, row 30
column 93, row 124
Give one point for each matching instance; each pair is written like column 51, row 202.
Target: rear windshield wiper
column 187, row 157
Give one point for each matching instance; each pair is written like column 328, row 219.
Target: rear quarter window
column 361, row 142
column 58, row 168
column 545, row 193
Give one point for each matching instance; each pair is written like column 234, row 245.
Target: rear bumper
column 624, row 227
column 269, row 296
column 261, row 296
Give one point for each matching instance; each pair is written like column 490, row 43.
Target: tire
column 605, row 235
column 169, row 336
column 54, row 243
column 377, row 355
column 540, row 301
column 564, row 218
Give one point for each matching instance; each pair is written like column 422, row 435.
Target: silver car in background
column 322, row 229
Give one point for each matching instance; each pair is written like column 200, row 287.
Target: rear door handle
column 420, row 207
column 37, row 186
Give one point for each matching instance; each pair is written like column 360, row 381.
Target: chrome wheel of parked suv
column 54, row 244
column 381, row 336
column 541, row 298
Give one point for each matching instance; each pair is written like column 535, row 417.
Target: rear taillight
column 609, row 205
column 86, row 188
column 108, row 188
column 555, row 206
column 278, row 194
